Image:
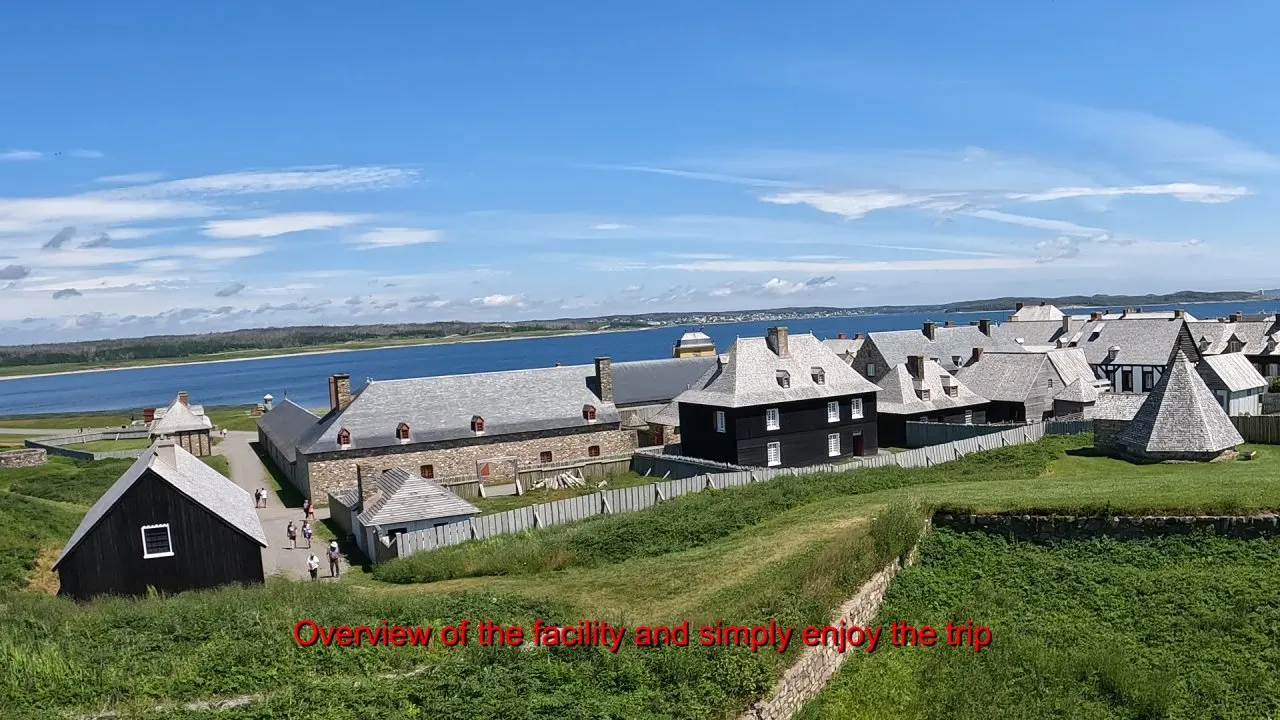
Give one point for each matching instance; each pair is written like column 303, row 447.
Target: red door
column 858, row 446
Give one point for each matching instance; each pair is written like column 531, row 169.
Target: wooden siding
column 802, row 432
column 1261, row 429
column 893, row 428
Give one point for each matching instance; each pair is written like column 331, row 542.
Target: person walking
column 313, row 566
column 308, row 510
column 334, row 569
column 257, row 497
column 306, row 532
column 292, row 533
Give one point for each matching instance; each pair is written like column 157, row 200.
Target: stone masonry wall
column 1106, row 435
column 805, row 679
column 29, row 457
column 457, row 459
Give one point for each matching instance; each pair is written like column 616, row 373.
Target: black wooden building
column 779, row 401
column 921, row 390
column 171, row 523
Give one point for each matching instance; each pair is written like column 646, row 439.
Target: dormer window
column 589, row 413
column 819, row 375
column 952, row 391
column 477, row 424
column 924, row 393
column 784, row 379
column 402, row 432
column 344, row 438
column 1234, row 345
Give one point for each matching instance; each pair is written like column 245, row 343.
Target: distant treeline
column 158, row 347
column 1118, row 301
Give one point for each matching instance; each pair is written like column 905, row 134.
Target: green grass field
column 1163, row 628
column 112, row 445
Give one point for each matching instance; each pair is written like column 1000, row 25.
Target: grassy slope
column 1172, row 627
column 533, row 497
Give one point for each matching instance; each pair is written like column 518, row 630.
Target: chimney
column 984, row 326
column 604, row 378
column 1139, row 311
column 148, row 415
column 1095, row 315
column 777, row 341
column 1042, row 303
column 1236, row 316
column 267, row 402
column 339, row 391
column 930, row 329
column 975, row 356
column 946, row 323
column 915, row 366
column 858, row 335
column 182, row 397
column 1017, row 306
column 366, row 485
column 167, row 452
column 1066, row 324
column 1179, row 314
column 840, row 336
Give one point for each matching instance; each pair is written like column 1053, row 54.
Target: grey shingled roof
column 1181, row 415
column 1072, row 365
column 347, row 496
column 1078, row 391
column 1115, row 406
column 845, row 347
column 403, row 496
column 1148, row 315
column 1036, row 313
column 656, row 381
column 287, row 425
column 179, row 418
column 1038, row 333
column 192, row 478
column 748, row 375
column 1257, row 336
column 1234, row 370
column 898, row 394
column 440, row 408
column 668, row 416
column 896, row 346
column 1141, row 341
column 1003, row 376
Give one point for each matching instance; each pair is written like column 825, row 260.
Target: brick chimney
column 930, row 329
column 984, row 327
column 1179, row 314
column 339, row 391
column 840, row 336
column 975, row 356
column 1095, row 315
column 604, row 378
column 1017, row 306
column 1236, row 316
column 148, row 415
column 366, row 485
column 1066, row 324
column 946, row 323
column 182, row 398
column 915, row 366
column 167, row 452
column 777, row 340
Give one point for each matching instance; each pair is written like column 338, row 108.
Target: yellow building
column 693, row 344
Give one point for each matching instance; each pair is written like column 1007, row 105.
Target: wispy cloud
column 67, row 293
column 282, row 224
column 696, row 175
column 1059, row 248
column 136, row 178
column 776, row 286
column 14, row 272
column 1061, row 226
column 496, row 301
column 371, row 177
column 102, row 240
column 62, row 237
column 233, row 289
column 21, row 155
column 955, row 265
column 384, row 237
column 850, row 204
column 608, row 227
column 1186, row 192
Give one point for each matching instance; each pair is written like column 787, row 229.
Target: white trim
column 833, row 411
column 719, row 421
column 772, row 419
column 168, row 537
column 773, row 453
column 856, row 407
column 833, row 445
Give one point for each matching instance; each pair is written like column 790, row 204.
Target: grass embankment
column 502, row 503
column 9, row 441
column 1162, row 628
column 111, row 445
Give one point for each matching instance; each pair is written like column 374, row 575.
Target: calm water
column 304, row 378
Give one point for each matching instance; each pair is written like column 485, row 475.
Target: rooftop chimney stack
column 975, row 356
column 1066, row 324
column 339, row 391
column 984, row 326
column 1017, row 306
column 167, row 452
column 930, row 329
column 858, row 335
column 840, row 336
column 777, row 342
column 1043, row 303
column 1236, row 316
column 1179, row 314
column 946, row 323
column 604, row 378
column 148, row 415
column 182, row 397
column 915, row 366
column 1095, row 315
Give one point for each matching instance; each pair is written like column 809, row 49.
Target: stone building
column 185, row 424
column 484, row 426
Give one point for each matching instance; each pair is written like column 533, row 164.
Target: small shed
column 399, row 501
column 170, row 522
column 1234, row 381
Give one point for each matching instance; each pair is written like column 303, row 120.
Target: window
column 402, row 432
column 156, row 541
column 968, row 417
column 1126, row 380
column 1148, row 379
column 924, row 393
column 344, row 437
column 772, row 419
column 1234, row 345
column 1049, row 382
column 833, row 444
column 953, row 391
column 589, row 413
column 871, row 370
column 833, row 411
column 784, row 378
column 593, row 451
column 773, row 453
column 856, row 406
column 720, row 421
column 1223, row 399
column 955, row 360
column 544, row 456
column 427, row 471
column 477, row 424
column 819, row 376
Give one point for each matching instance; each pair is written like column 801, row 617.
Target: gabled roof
column 656, row 381
column 1034, row 313
column 1115, row 406
column 1140, row 341
column 177, row 418
column 1234, row 370
column 748, row 375
column 1078, row 391
column 895, row 346
column 1180, row 414
column 899, row 396
column 403, row 496
column 1038, row 333
column 1071, row 365
column 288, row 425
column 845, row 347
column 441, row 408
column 189, row 476
column 669, row 415
column 1211, row 336
column 1003, row 376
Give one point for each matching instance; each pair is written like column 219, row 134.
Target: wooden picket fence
column 1261, row 429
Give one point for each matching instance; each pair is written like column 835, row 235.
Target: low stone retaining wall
column 1049, row 528
column 30, row 457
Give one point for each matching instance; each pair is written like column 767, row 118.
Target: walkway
column 247, row 472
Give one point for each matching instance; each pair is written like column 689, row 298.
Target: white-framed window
column 833, row 444
column 156, row 541
column 871, row 370
column 968, row 417
column 720, row 421
column 833, row 411
column 772, row 419
column 856, row 406
column 773, row 452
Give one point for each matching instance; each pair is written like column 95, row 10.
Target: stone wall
column 1106, row 435
column 30, row 457
column 458, row 459
column 805, row 679
column 1048, row 528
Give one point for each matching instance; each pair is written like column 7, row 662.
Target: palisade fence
column 1261, row 429
column 632, row 499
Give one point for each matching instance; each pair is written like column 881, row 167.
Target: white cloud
column 850, row 204
column 90, row 154
column 777, row 286
column 1059, row 248
column 1186, row 192
column 853, row 266
column 498, row 301
column 396, row 237
column 21, row 155
column 130, row 178
column 609, row 226
column 274, row 225
column 247, row 183
column 19, row 215
column 696, row 175
column 1061, row 226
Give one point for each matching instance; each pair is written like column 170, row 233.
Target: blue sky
column 190, row 168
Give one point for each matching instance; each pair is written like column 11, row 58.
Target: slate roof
column 748, row 375
column 287, row 425
column 656, row 381
column 179, row 418
column 845, row 347
column 402, row 496
column 896, row 346
column 189, row 476
column 1141, row 341
column 1115, row 406
column 1180, row 414
column 669, row 415
column 1149, row 315
column 899, row 396
column 1041, row 334
column 441, row 407
column 1234, row 370
column 1034, row 313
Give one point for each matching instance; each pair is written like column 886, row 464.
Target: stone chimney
column 182, row 398
column 858, row 335
column 1017, row 306
column 1066, row 324
column 840, row 336
column 1043, row 303
column 167, row 452
column 1179, row 314
column 984, row 327
column 946, row 323
column 930, row 329
column 339, row 391
column 1236, row 316
column 975, row 356
column 777, row 341
column 915, row 366
column 1095, row 315
column 366, row 485
column 604, row 378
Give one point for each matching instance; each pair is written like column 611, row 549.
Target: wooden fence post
column 471, row 525
column 604, row 505
column 657, row 493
